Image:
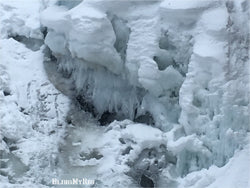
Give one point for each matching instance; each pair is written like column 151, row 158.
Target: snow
column 206, row 46
column 234, row 174
column 30, row 113
column 184, row 5
column 16, row 19
column 170, row 79
column 83, row 39
column 209, row 22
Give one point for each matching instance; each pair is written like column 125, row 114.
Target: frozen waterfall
column 129, row 93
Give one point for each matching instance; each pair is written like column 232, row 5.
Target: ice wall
column 121, row 63
column 181, row 62
column 214, row 98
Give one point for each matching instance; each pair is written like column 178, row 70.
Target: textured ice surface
column 124, row 62
column 181, row 67
column 32, row 112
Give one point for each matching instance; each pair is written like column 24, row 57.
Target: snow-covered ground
column 126, row 93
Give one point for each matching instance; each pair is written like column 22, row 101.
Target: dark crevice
column 48, row 55
column 3, row 164
column 122, row 141
column 52, row 132
column 9, row 141
column 44, row 31
column 165, row 43
column 3, row 173
column 86, row 105
column 13, row 148
column 122, row 32
column 24, row 111
column 92, row 155
column 127, row 150
column 107, row 118
column 146, row 118
column 146, row 181
column 66, row 74
column 149, row 164
column 161, row 62
column 174, row 94
column 69, row 4
column 6, row 93
column 175, row 52
column 31, row 43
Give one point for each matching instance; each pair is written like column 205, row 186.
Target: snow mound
column 16, row 18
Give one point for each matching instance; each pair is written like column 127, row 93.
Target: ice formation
column 168, row 81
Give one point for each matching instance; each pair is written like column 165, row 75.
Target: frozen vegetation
column 129, row 93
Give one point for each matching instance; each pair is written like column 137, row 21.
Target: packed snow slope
column 128, row 93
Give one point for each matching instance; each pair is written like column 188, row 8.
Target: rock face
column 128, row 93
